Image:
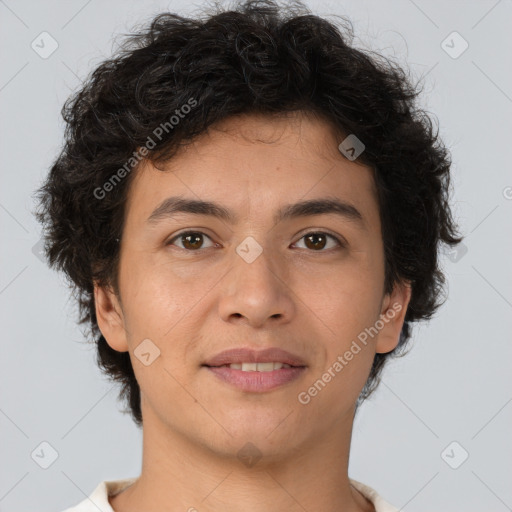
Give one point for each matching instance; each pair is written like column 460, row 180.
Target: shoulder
column 373, row 497
column 98, row 499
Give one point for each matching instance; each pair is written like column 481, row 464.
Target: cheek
column 157, row 297
column 350, row 295
column 348, row 306
column 164, row 309
column 159, row 316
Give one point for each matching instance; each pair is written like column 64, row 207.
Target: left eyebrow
column 327, row 205
column 321, row 206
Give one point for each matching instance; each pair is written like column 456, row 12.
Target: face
column 195, row 284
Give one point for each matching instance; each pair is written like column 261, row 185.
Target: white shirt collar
column 98, row 499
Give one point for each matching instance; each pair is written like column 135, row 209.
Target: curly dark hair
column 257, row 57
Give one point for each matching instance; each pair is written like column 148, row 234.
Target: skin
column 193, row 303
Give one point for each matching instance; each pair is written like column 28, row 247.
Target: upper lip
column 247, row 355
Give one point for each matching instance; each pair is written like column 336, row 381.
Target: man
column 250, row 210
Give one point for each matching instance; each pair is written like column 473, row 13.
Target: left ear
column 394, row 307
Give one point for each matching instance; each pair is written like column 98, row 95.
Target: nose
column 257, row 291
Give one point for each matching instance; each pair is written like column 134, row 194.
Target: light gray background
column 454, row 385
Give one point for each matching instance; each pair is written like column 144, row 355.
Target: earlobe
column 392, row 317
column 110, row 318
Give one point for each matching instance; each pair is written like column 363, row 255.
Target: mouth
column 255, row 367
column 262, row 358
column 256, row 371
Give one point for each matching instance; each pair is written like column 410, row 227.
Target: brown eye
column 317, row 241
column 191, row 240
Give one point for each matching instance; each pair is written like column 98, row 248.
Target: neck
column 179, row 474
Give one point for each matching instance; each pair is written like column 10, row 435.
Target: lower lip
column 256, row 381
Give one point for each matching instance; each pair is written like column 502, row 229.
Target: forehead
column 254, row 163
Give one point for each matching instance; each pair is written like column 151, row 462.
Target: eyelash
column 340, row 243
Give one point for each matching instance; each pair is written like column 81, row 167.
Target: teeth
column 258, row 367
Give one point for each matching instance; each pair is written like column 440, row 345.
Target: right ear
column 109, row 316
